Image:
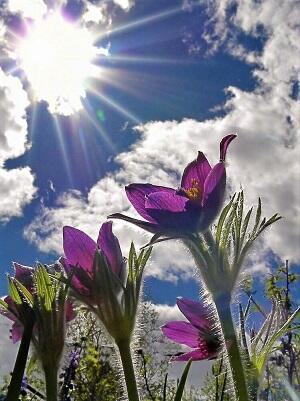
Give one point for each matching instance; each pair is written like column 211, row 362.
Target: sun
column 57, row 59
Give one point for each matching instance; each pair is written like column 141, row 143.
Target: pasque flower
column 191, row 208
column 24, row 275
column 80, row 252
column 100, row 279
column 39, row 308
column 197, row 334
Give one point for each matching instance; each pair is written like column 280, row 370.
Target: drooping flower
column 80, row 252
column 191, row 208
column 197, row 334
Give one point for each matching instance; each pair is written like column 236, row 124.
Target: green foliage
column 222, row 253
column 95, row 379
column 216, row 383
column 181, row 385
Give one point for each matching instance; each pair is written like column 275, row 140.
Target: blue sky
column 186, row 74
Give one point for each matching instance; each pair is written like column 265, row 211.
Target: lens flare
column 57, row 58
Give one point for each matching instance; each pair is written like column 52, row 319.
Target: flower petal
column 137, row 194
column 79, row 248
column 109, row 245
column 197, row 170
column 151, row 227
column 166, row 200
column 24, row 274
column 70, row 313
column 12, row 313
column 174, row 213
column 196, row 355
column 16, row 331
column 224, row 146
column 195, row 312
column 182, row 333
column 214, row 190
column 75, row 283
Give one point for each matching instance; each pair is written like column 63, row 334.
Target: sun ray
column 88, row 112
column 148, row 60
column 85, row 152
column 143, row 21
column 33, row 118
column 62, row 146
column 114, row 105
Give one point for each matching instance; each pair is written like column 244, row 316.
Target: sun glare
column 57, row 57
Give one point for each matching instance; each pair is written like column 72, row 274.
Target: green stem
column 51, row 373
column 233, row 350
column 128, row 369
column 20, row 364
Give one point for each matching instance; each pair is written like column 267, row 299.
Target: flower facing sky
column 191, row 208
column 197, row 334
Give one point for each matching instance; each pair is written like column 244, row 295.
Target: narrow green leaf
column 182, row 382
column 165, row 388
column 144, row 260
column 224, row 386
column 227, row 228
column 247, row 309
column 272, row 220
column 257, row 217
column 239, row 219
column 243, row 334
column 222, row 218
column 245, row 226
column 276, row 336
column 45, row 291
column 26, row 294
column 13, row 292
column 3, row 304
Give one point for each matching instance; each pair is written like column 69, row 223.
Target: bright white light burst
column 56, row 57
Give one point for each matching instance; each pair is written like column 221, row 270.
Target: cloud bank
column 16, row 185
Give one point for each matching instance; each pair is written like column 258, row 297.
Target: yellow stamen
column 194, row 193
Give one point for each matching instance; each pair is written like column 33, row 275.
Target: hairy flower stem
column 51, row 373
column 232, row 347
column 20, row 364
column 128, row 369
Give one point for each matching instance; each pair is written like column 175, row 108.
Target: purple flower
column 198, row 333
column 80, row 250
column 24, row 274
column 191, row 208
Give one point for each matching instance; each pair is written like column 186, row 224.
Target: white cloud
column 166, row 313
column 34, row 9
column 16, row 185
column 264, row 159
column 95, row 13
column 125, row 4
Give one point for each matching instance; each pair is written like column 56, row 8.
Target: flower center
column 194, row 193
